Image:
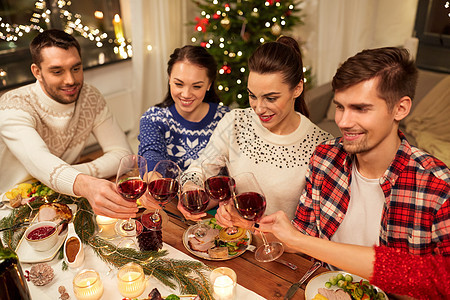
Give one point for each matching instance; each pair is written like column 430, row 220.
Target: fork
column 295, row 286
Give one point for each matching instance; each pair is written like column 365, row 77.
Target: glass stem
column 267, row 247
column 128, row 226
column 155, row 216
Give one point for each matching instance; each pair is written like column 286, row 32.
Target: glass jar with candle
column 131, row 280
column 87, row 285
column 223, row 281
column 106, row 227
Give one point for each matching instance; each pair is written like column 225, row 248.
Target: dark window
column 96, row 24
column 432, row 28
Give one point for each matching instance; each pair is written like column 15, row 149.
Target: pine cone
column 150, row 240
column 41, row 274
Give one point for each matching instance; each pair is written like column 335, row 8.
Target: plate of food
column 156, row 295
column 218, row 243
column 54, row 212
column 23, row 192
column 341, row 285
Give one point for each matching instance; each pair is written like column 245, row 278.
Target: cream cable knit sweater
column 42, row 138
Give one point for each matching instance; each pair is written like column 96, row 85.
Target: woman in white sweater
column 273, row 138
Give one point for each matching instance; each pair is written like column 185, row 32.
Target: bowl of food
column 42, row 236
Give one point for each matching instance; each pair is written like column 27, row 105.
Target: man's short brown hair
column 51, row 38
column 393, row 67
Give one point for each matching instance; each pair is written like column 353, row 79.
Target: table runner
column 111, row 291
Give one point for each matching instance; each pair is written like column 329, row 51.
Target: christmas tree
column 232, row 29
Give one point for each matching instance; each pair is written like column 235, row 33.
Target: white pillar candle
column 106, row 227
column 87, row 285
column 223, row 281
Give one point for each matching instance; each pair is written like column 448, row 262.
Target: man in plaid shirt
column 371, row 187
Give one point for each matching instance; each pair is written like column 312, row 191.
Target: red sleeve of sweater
column 421, row 277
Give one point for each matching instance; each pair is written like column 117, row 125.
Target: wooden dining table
column 270, row 280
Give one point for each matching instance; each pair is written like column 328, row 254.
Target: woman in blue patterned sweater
column 180, row 126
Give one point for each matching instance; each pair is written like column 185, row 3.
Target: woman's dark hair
column 282, row 56
column 196, row 55
column 51, row 38
column 394, row 68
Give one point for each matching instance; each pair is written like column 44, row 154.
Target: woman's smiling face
column 188, row 86
column 273, row 101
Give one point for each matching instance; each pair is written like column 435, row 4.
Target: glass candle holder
column 223, row 281
column 87, row 285
column 131, row 280
column 106, row 227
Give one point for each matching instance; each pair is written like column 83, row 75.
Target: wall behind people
column 336, row 30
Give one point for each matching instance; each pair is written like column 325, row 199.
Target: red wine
column 163, row 190
column 132, row 189
column 251, row 205
column 218, row 187
column 194, row 201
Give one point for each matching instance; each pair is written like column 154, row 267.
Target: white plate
column 27, row 254
column 7, row 201
column 319, row 282
column 189, row 232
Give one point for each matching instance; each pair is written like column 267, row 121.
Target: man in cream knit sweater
column 44, row 127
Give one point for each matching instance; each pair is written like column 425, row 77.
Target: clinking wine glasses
column 163, row 186
column 250, row 202
column 194, row 198
column 217, row 178
column 218, row 181
column 131, row 185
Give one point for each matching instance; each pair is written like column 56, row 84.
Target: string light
column 73, row 23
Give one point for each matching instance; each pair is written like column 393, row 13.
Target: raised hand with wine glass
column 218, row 186
column 163, row 187
column 194, row 198
column 131, row 185
column 250, row 202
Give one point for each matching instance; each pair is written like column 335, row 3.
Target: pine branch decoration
column 189, row 276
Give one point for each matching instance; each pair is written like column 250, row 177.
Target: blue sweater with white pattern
column 165, row 134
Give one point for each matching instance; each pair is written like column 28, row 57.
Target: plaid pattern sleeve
column 416, row 214
column 323, row 204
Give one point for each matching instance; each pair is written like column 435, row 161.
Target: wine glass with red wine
column 163, row 186
column 131, row 185
column 194, row 198
column 250, row 202
column 218, row 181
column 217, row 178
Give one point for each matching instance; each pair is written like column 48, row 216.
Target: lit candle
column 224, row 283
column 106, row 227
column 87, row 285
column 131, row 280
column 118, row 29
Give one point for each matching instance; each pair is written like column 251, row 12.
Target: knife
column 294, row 287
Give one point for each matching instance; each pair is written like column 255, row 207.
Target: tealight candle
column 223, row 281
column 106, row 227
column 87, row 285
column 131, row 280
